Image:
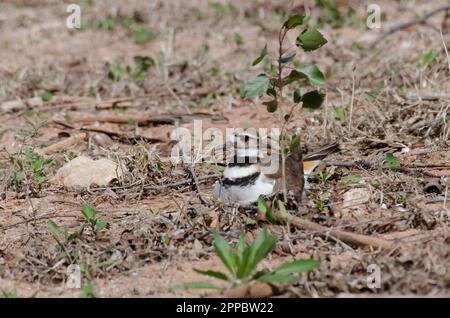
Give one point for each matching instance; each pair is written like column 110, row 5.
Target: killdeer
column 253, row 172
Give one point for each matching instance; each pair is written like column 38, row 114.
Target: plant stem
column 280, row 85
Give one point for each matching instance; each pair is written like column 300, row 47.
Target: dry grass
column 157, row 235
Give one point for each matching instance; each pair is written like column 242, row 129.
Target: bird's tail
column 321, row 153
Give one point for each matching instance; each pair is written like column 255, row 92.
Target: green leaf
column 283, row 211
column 256, row 86
column 88, row 211
column 238, row 39
column 116, row 73
column 272, row 92
column 312, row 100
column 47, row 96
column 199, row 285
column 338, row 113
column 287, row 58
column 393, row 161
column 298, row 266
column 270, row 215
column 100, row 225
column 54, row 228
column 241, row 246
column 215, row 274
column 297, row 95
column 294, row 21
column 141, row 34
column 262, row 205
column 261, row 56
column 12, row 294
column 278, row 278
column 428, row 58
column 295, row 143
column 272, row 106
column 311, row 72
column 314, row 75
column 249, row 221
column 378, row 88
column 310, row 40
column 223, row 250
column 143, row 64
column 262, row 246
column 351, row 179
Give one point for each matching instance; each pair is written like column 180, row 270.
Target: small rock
column 354, row 201
column 260, row 290
column 83, row 172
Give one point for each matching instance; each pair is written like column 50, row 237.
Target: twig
column 411, row 169
column 178, row 99
column 446, row 50
column 347, row 237
column 403, row 24
column 113, row 134
column 72, row 140
column 203, row 200
column 352, row 102
column 39, row 218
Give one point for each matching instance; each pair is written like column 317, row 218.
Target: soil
column 56, row 82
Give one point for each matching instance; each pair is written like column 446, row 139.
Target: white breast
column 236, row 172
column 245, row 194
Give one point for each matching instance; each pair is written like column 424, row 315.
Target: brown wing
column 321, row 153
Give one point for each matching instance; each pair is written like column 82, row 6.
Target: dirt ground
column 56, row 83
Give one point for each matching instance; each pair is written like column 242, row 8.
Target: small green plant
column 47, row 96
column 373, row 94
column 29, row 168
column 282, row 74
column 325, row 176
column 269, row 212
column 322, row 201
column 392, row 160
column 351, row 179
column 33, row 130
column 338, row 112
column 90, row 214
column 142, row 65
column 242, row 262
column 219, row 9
column 141, row 34
column 428, row 58
column 135, row 26
column 11, row 294
column 199, row 14
column 107, row 24
column 88, row 291
column 63, row 237
column 239, row 39
column 117, row 73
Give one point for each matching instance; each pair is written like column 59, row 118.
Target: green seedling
column 242, row 260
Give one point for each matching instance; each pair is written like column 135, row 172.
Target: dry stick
column 347, row 237
column 281, row 37
column 72, row 140
column 110, row 133
column 446, row 50
column 368, row 165
column 352, row 102
column 204, row 201
column 407, row 23
column 39, row 218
